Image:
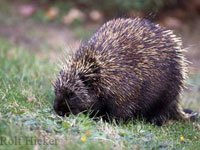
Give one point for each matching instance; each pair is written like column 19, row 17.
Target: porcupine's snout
column 66, row 105
column 60, row 107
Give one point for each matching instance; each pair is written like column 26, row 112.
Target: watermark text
column 27, row 140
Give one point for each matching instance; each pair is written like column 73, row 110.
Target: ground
column 29, row 53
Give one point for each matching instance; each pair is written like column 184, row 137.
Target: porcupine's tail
column 193, row 116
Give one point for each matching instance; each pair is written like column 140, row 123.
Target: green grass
column 81, row 32
column 26, row 96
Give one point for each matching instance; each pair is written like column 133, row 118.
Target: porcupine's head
column 71, row 95
column 72, row 88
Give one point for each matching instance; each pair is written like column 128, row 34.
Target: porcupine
column 129, row 68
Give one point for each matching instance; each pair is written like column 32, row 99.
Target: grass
column 26, row 96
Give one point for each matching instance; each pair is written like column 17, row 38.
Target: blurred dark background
column 47, row 27
column 24, row 22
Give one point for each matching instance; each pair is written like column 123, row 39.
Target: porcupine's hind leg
column 166, row 113
column 182, row 114
column 173, row 112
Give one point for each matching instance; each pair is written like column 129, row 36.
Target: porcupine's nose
column 56, row 109
column 62, row 109
column 59, row 109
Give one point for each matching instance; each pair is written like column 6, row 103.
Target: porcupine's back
column 136, row 69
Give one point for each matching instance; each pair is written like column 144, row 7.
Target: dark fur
column 130, row 68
